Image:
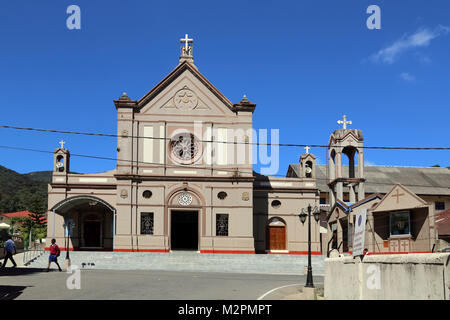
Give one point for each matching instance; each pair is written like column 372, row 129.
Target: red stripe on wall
column 141, row 250
column 227, row 251
column 60, row 248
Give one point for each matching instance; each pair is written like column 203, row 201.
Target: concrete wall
column 388, row 277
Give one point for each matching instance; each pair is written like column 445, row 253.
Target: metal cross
column 62, row 142
column 307, row 149
column 186, row 41
column 344, row 122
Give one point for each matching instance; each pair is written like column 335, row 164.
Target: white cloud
column 421, row 38
column 407, row 77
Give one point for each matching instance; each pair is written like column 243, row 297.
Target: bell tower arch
column 308, row 165
column 346, row 144
column 61, row 159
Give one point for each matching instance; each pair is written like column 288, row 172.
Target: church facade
column 181, row 181
column 184, row 180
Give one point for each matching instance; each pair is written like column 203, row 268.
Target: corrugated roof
column 380, row 179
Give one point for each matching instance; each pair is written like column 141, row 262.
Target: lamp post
column 68, row 230
column 302, row 216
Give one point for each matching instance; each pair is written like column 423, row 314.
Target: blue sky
column 304, row 63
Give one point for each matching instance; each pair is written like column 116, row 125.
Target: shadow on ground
column 7, row 272
column 11, row 292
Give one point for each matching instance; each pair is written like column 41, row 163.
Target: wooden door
column 277, row 238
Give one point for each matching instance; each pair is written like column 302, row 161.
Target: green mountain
column 20, row 192
column 40, row 176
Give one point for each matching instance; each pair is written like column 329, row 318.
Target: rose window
column 185, row 199
column 184, row 147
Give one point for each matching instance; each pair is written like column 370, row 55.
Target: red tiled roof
column 443, row 222
column 17, row 214
column 20, row 214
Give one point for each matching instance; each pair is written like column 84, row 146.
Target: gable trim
column 424, row 203
column 174, row 74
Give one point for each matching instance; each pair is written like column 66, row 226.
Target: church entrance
column 184, row 230
column 277, row 237
column 92, row 222
column 92, row 234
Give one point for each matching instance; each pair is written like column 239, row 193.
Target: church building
column 181, row 181
column 184, row 180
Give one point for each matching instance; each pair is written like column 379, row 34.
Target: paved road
column 26, row 283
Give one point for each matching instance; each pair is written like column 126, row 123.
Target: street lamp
column 302, row 216
column 68, row 230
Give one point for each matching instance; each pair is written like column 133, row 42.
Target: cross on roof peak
column 344, row 122
column 307, row 149
column 186, row 49
column 62, row 143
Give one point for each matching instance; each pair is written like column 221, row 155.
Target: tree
column 37, row 210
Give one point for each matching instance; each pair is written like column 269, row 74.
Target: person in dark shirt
column 9, row 247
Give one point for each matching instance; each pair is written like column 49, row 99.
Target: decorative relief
column 185, row 99
column 124, row 194
column 245, row 196
column 185, row 199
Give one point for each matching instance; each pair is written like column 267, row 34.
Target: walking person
column 54, row 254
column 9, row 246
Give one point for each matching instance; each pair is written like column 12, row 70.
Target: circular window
column 184, row 148
column 185, row 199
column 276, row 204
column 147, row 194
column 222, row 195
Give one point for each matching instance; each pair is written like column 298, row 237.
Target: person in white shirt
column 9, row 246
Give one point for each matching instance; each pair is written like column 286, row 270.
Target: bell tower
column 61, row 157
column 346, row 143
column 308, row 165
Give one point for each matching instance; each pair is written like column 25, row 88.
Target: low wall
column 388, row 277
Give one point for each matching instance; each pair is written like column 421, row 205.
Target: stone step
column 188, row 261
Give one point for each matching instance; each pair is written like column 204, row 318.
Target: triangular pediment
column 185, row 92
column 346, row 136
column 399, row 198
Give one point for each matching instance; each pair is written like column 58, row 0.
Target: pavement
column 35, row 283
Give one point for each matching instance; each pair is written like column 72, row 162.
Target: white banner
column 360, row 233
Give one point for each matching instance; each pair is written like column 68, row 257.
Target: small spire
column 124, row 96
column 244, row 98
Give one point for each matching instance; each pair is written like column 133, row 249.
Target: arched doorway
column 276, row 235
column 186, row 219
column 93, row 221
column 91, row 231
